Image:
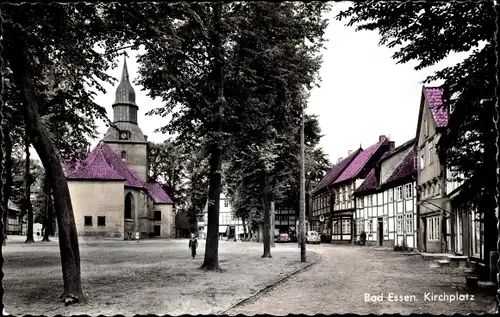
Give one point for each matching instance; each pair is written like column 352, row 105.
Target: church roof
column 159, row 195
column 103, row 164
column 95, row 167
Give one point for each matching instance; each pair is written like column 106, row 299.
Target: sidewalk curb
column 270, row 286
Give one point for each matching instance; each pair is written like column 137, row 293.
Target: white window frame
column 408, row 191
column 399, row 224
column 431, row 151
column 226, row 203
column 433, row 232
column 399, row 193
column 409, row 223
column 391, row 195
column 370, row 226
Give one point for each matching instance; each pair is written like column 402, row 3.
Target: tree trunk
column 27, row 190
column 47, row 210
column 267, row 220
column 68, row 238
column 244, row 229
column 273, row 224
column 2, row 210
column 7, row 187
column 211, row 260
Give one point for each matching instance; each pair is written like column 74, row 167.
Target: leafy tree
column 428, row 32
column 50, row 52
column 197, row 57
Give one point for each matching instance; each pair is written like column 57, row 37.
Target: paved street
column 339, row 282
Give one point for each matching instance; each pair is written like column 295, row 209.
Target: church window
column 101, row 220
column 124, row 155
column 88, row 220
column 129, row 202
column 157, row 215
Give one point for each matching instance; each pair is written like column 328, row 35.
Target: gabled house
column 15, row 224
column 110, row 190
column 385, row 201
column 333, row 197
column 321, row 197
column 435, row 230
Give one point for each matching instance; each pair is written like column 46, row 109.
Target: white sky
column 363, row 92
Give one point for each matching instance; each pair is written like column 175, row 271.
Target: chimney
column 349, row 152
column 381, row 138
column 145, row 137
column 340, row 159
column 392, row 145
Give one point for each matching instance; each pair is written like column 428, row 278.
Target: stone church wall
column 98, row 199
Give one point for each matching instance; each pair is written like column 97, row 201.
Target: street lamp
column 302, row 198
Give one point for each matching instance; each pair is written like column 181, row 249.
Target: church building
column 110, row 191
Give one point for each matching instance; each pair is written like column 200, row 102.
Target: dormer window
column 124, row 156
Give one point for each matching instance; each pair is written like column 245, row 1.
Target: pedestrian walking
column 193, row 244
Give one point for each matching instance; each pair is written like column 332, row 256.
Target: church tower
column 127, row 139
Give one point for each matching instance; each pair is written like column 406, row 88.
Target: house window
column 226, row 203
column 408, row 191
column 391, row 195
column 399, row 193
column 399, row 224
column 371, row 200
column 157, row 230
column 101, row 220
column 426, row 128
column 360, row 201
column 336, row 227
column 431, row 152
column 346, row 226
column 124, row 155
column 370, row 226
column 433, row 229
column 157, row 215
column 88, row 220
column 409, row 223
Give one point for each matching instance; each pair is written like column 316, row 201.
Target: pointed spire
column 125, row 77
column 125, row 93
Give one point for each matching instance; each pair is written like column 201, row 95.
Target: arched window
column 124, row 155
column 129, row 206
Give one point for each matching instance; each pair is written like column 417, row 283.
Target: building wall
column 94, row 199
column 428, row 161
column 137, row 156
column 167, row 220
column 396, row 214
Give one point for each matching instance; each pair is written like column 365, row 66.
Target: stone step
column 443, row 262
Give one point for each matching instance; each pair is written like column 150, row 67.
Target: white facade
column 389, row 217
column 227, row 221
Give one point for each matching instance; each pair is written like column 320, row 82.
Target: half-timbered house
column 433, row 206
column 385, row 201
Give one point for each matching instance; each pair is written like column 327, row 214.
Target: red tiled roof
column 95, row 167
column 406, row 168
column 103, row 164
column 360, row 161
column 159, row 195
column 369, row 183
column 116, row 162
column 437, row 105
column 335, row 171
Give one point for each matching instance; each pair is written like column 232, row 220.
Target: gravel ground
column 339, row 282
column 150, row 277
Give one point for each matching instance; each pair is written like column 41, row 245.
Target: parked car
column 284, row 237
column 313, row 237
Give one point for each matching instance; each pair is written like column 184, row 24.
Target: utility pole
column 302, row 199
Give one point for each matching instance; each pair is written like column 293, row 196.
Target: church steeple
column 125, row 93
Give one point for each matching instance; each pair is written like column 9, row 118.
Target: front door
column 380, row 231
